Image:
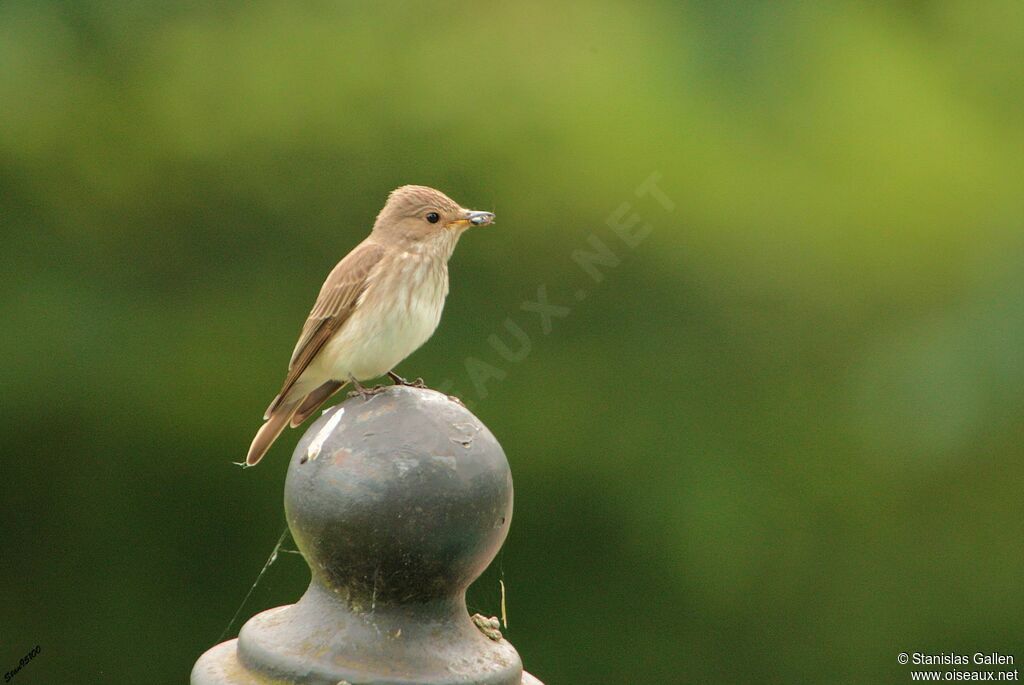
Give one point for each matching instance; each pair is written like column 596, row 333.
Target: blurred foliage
column 779, row 442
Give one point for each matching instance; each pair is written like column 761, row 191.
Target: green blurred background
column 779, row 442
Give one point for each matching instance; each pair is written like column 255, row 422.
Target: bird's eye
column 433, row 217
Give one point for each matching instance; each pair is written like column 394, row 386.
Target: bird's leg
column 398, row 380
column 365, row 393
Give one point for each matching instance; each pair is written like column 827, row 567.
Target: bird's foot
column 398, row 380
column 487, row 626
column 368, row 393
column 363, row 391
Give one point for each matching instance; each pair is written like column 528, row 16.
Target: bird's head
column 419, row 213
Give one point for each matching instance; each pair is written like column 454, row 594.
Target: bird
column 379, row 304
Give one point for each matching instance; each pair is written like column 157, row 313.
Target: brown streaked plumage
column 380, row 303
column 335, row 304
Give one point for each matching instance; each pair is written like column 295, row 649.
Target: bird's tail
column 277, row 419
column 313, row 401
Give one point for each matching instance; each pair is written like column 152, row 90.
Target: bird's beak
column 473, row 218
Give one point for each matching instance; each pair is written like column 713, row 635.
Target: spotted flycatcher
column 380, row 303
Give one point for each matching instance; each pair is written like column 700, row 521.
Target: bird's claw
column 364, row 392
column 398, row 380
column 368, row 393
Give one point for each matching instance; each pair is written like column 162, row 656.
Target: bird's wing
column 335, row 304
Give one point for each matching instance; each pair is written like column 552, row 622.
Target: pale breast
column 399, row 312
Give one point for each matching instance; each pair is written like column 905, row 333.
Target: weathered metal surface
column 397, row 503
